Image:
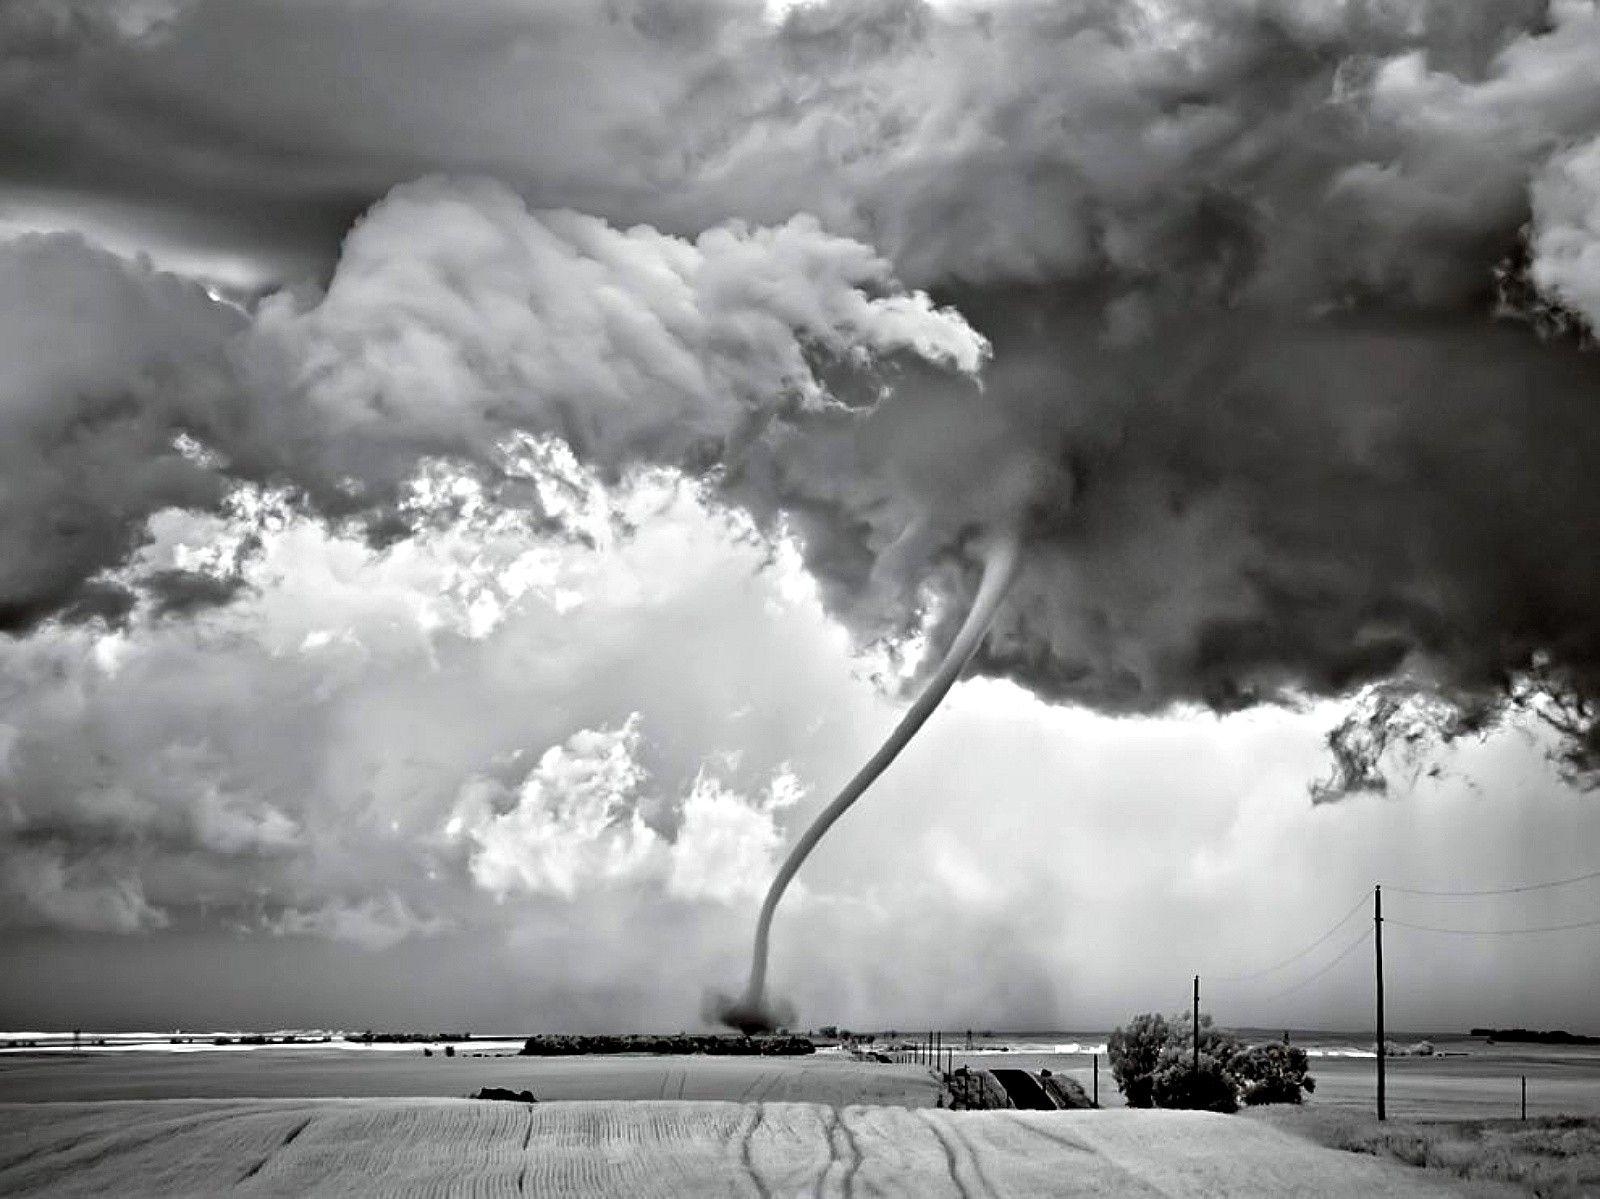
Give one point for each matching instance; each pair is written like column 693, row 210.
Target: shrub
column 1153, row 1062
column 1177, row 1084
column 1272, row 1073
column 1133, row 1052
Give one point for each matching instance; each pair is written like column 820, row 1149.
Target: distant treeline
column 1559, row 1036
column 557, row 1045
column 253, row 1038
column 405, row 1038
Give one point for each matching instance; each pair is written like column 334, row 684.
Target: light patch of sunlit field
column 449, row 1147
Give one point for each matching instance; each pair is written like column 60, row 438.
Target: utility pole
column 1096, row 1099
column 1197, row 1025
column 1377, row 956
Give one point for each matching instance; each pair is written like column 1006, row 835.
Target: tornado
column 752, row 1012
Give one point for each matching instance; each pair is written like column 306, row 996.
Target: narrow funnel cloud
column 752, row 1013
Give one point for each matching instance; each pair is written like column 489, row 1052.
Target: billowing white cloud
column 727, row 847
column 285, row 768
column 575, row 824
column 571, row 824
column 1565, row 238
column 457, row 317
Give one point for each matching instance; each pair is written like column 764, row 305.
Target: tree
column 1134, row 1051
column 1153, row 1060
column 1272, row 1073
column 1176, row 1083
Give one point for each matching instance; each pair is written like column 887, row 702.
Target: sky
column 473, row 485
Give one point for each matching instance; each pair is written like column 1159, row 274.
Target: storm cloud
column 1269, row 324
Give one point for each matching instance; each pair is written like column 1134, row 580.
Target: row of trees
column 1153, row 1061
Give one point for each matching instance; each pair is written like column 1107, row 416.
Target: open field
column 460, row 1147
column 189, row 1123
column 303, row 1074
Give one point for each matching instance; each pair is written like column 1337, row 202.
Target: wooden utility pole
column 1377, row 957
column 1197, row 1024
column 1096, row 1099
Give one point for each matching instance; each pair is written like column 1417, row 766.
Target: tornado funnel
column 751, row 1012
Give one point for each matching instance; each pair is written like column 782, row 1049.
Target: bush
column 1153, row 1062
column 1272, row 1073
column 1176, row 1083
column 1067, row 1092
column 1133, row 1052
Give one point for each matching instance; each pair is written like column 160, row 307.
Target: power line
column 1292, row 958
column 1560, row 882
column 1311, row 978
column 1494, row 932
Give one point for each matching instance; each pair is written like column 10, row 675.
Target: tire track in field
column 27, row 1155
column 744, row 1095
column 522, row 1172
column 106, row 1145
column 268, row 1156
column 775, row 1079
column 1055, row 1138
column 828, row 1158
column 849, row 1155
column 973, row 1158
column 950, row 1162
column 856, row 1156
column 757, row 1118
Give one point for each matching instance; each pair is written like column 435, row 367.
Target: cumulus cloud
column 265, row 787
column 1237, row 263
column 40, row 886
column 1203, row 302
column 572, row 823
column 1565, row 241
column 727, row 846
column 576, row 823
column 106, row 363
column 457, row 321
column 302, row 761
column 457, row 316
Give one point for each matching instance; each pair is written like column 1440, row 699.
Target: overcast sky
column 473, row 484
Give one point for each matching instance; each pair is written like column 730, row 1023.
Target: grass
column 1555, row 1156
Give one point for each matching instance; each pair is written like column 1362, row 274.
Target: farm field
column 308, row 1074
column 450, row 1147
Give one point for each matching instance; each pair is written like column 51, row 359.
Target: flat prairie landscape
column 315, row 1073
column 339, row 1119
column 443, row 1147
